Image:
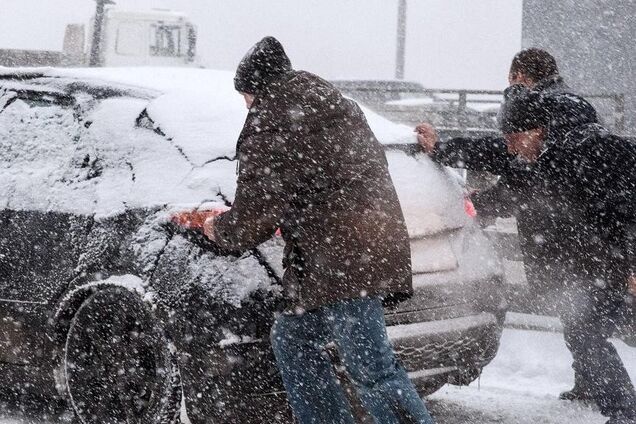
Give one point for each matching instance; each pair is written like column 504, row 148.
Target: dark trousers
column 589, row 316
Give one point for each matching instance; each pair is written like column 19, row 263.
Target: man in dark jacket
column 310, row 165
column 570, row 184
column 537, row 70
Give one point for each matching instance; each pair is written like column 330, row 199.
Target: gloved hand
column 194, row 220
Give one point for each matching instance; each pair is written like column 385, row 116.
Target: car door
column 41, row 235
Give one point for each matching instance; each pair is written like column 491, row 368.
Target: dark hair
column 536, row 64
column 522, row 110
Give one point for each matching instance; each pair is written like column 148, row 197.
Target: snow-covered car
column 104, row 303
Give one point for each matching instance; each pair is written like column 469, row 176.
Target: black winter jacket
column 575, row 206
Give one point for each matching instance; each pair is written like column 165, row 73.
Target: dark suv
column 105, row 304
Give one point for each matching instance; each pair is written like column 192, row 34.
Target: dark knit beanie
column 263, row 63
column 566, row 112
column 522, row 110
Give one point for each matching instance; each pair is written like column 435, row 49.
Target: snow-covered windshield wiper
column 34, row 98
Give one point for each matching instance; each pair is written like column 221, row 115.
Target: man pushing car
column 571, row 185
column 310, row 165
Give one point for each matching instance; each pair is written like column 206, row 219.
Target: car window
column 130, row 39
column 166, row 40
column 35, row 130
column 39, row 139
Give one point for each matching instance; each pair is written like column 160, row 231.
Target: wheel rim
column 113, row 361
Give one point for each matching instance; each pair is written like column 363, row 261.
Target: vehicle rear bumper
column 450, row 329
column 455, row 349
column 456, row 342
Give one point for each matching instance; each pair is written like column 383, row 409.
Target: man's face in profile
column 520, row 78
column 249, row 99
column 528, row 145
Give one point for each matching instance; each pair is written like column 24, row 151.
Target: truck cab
column 155, row 37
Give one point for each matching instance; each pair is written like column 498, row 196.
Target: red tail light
column 469, row 207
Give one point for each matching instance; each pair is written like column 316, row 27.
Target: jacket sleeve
column 607, row 171
column 496, row 201
column 260, row 198
column 631, row 250
column 478, row 154
column 621, row 194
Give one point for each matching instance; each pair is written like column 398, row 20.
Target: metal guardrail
column 376, row 94
column 616, row 121
column 30, row 58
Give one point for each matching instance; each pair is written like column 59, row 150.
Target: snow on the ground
column 522, row 384
column 519, row 387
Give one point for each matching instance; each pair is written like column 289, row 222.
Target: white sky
column 450, row 43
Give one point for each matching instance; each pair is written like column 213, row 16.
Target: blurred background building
column 594, row 42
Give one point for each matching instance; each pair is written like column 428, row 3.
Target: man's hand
column 195, row 220
column 631, row 285
column 208, row 227
column 427, row 137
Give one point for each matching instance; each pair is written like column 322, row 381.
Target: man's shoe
column 580, row 392
column 577, row 394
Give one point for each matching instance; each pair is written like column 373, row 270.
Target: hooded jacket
column 310, row 164
column 265, row 62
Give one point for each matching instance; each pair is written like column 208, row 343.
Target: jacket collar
column 552, row 84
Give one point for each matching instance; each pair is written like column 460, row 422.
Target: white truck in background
column 155, row 37
column 147, row 38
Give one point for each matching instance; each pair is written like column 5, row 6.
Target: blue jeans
column 358, row 329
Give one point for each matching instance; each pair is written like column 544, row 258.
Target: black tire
column 118, row 366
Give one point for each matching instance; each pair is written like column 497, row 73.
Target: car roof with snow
column 156, row 136
column 184, row 100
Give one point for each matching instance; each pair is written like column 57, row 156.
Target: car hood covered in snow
column 170, row 141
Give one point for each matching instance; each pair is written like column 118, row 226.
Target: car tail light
column 469, row 207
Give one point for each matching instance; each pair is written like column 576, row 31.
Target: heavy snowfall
column 391, row 212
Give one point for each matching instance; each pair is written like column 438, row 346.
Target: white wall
column 450, row 43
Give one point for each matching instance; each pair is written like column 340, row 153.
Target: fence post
column 98, row 26
column 619, row 108
column 461, row 110
column 401, row 41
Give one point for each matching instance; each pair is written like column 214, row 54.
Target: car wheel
column 118, row 365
